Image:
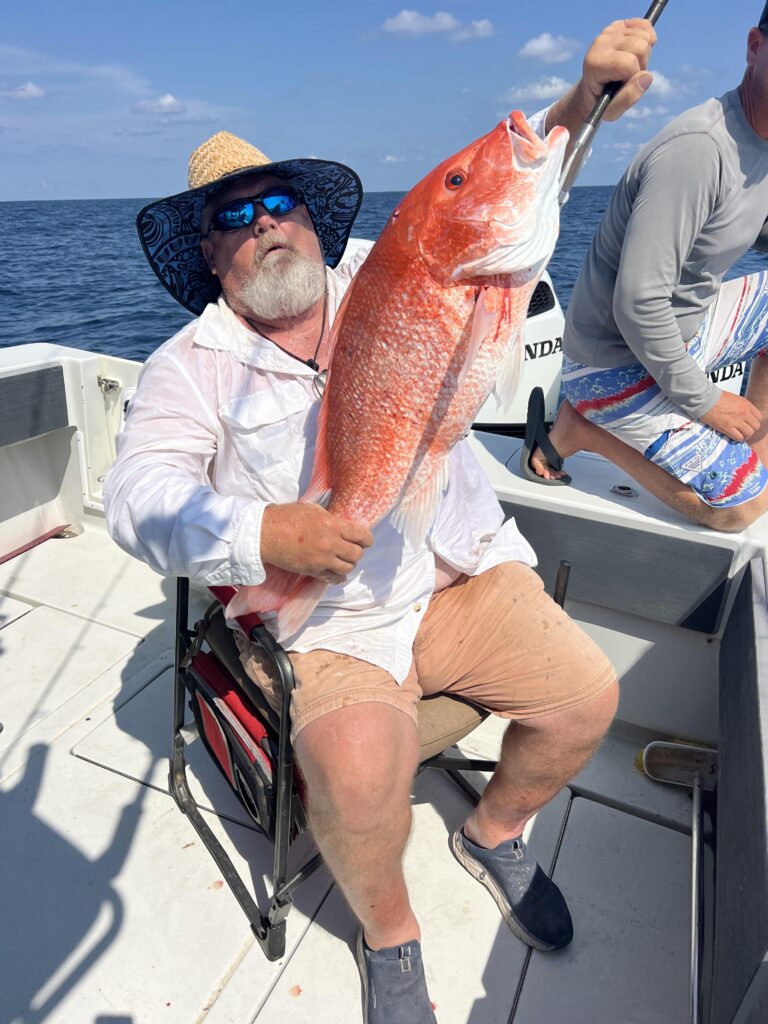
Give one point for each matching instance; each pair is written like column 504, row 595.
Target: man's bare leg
column 359, row 763
column 757, row 393
column 538, row 758
column 573, row 433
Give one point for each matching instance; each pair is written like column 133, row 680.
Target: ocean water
column 73, row 272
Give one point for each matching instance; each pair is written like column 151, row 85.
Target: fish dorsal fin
column 483, row 323
column 508, row 377
column 417, row 509
column 319, row 487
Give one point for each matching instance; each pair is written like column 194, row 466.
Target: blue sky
column 107, row 100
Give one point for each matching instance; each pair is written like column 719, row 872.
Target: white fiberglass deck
column 113, row 912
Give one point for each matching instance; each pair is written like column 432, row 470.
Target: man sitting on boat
column 215, row 452
column 649, row 319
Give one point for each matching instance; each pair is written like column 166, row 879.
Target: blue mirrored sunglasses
column 239, row 213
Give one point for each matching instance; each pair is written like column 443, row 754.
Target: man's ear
column 207, row 248
column 754, row 40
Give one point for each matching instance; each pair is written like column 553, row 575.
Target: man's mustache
column 268, row 241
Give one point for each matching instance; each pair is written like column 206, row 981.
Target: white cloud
column 166, row 104
column 413, row 23
column 641, row 113
column 28, row 91
column 28, row 62
column 549, row 87
column 390, row 159
column 482, row 29
column 623, row 152
column 550, row 49
column 661, row 85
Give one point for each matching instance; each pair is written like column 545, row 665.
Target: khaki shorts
column 497, row 640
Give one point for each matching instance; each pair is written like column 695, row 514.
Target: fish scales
column 377, row 424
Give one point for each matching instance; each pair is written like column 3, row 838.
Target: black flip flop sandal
column 537, row 436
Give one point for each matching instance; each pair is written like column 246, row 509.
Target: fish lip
column 518, row 128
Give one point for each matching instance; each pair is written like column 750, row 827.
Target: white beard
column 285, row 286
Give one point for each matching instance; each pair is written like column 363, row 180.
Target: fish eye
column 455, row 179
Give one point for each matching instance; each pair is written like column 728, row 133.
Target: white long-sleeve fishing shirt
column 223, row 424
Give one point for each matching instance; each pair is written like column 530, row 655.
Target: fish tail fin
column 417, row 509
column 293, row 597
column 299, row 605
column 266, row 597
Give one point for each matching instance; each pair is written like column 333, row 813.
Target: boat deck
column 114, row 912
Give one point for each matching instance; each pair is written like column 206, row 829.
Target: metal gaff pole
column 583, row 139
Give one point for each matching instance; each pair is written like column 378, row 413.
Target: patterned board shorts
column 627, row 401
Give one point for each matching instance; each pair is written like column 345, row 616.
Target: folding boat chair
column 251, row 746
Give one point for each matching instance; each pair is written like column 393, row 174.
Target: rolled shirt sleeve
column 677, row 194
column 159, row 501
column 538, row 122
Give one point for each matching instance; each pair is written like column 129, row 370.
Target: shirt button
column 417, row 607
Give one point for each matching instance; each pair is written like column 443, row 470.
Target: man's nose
column 263, row 221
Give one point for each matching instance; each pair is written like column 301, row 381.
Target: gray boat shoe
column 531, row 904
column 394, row 986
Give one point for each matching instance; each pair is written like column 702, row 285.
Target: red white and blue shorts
column 627, row 401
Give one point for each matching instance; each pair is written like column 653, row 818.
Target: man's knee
column 601, row 710
column 583, row 724
column 358, row 763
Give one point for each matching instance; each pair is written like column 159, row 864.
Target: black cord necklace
column 318, row 381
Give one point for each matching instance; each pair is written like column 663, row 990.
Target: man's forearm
column 570, row 111
column 619, row 54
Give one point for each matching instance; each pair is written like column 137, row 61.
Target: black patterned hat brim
column 169, row 229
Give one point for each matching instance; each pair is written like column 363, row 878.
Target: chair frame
column 268, row 927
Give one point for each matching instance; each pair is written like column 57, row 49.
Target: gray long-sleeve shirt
column 688, row 206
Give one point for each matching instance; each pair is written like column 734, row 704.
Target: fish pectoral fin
column 484, row 322
column 417, row 509
column 508, row 377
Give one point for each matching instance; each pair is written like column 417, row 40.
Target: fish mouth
column 524, row 245
column 528, row 150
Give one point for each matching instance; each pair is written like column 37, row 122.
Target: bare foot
column 569, row 434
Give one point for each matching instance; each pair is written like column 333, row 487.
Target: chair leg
column 269, row 929
column 453, row 768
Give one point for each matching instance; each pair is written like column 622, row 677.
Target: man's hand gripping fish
column 432, row 322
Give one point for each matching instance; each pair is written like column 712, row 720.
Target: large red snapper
column 432, row 322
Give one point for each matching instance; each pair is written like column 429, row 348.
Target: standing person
column 216, row 450
column 649, row 318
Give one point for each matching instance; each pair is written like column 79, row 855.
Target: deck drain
column 624, row 491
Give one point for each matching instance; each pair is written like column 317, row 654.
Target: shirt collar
column 219, row 328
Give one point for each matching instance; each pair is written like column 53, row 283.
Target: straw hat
column 169, row 229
